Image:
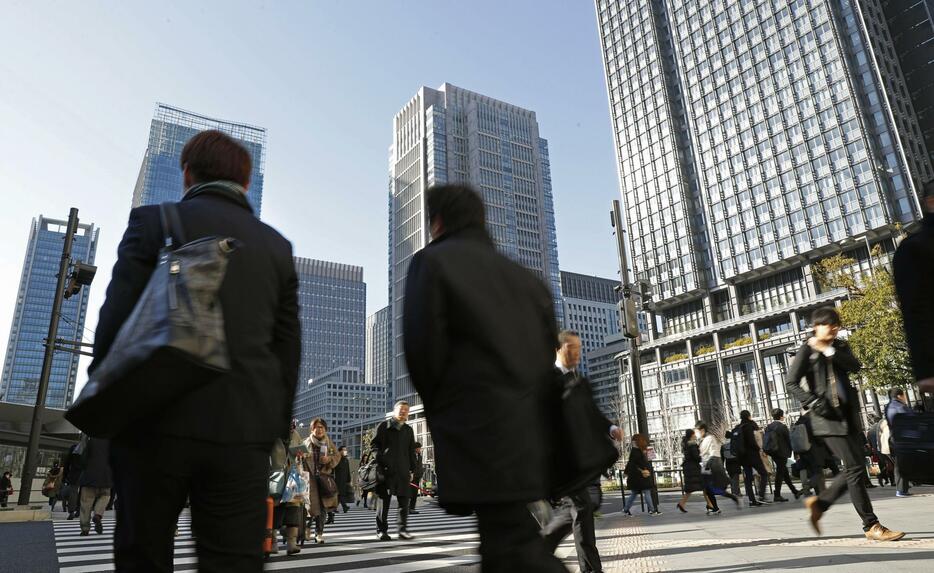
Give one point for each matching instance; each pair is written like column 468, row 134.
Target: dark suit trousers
column 382, row 512
column 227, row 485
column 849, row 449
column 510, row 541
column 748, row 467
column 575, row 514
column 782, row 475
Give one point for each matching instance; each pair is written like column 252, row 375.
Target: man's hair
column 825, row 315
column 344, row 448
column 777, row 414
column 215, row 156
column 417, row 445
column 701, row 425
column 565, row 336
column 459, row 207
column 319, row 421
column 894, row 393
column 745, row 415
column 399, row 404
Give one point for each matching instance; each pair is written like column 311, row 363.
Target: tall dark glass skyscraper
column 25, row 350
column 453, row 135
column 752, row 137
column 332, row 297
column 160, row 176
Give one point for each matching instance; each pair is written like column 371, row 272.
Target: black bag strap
column 171, row 225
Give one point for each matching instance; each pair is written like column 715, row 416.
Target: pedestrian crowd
column 517, row 437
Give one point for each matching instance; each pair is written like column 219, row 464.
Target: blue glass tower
column 160, row 177
column 25, row 350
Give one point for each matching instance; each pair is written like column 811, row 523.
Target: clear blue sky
column 79, row 82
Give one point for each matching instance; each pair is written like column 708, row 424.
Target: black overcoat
column 342, row 477
column 394, row 445
column 251, row 404
column 914, row 282
column 638, row 461
column 480, row 340
column 812, row 366
column 691, row 467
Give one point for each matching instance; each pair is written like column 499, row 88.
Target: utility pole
column 627, row 307
column 32, row 452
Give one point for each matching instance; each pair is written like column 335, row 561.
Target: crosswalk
column 443, row 543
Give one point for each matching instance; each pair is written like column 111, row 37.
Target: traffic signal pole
column 32, row 452
column 630, row 320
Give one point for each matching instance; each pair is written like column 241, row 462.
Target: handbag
column 327, row 485
column 172, row 342
column 584, row 436
column 277, row 480
column 370, row 475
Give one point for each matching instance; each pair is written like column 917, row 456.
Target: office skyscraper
column 25, row 350
column 590, row 309
column 379, row 350
column 332, row 300
column 452, row 135
column 160, row 176
column 751, row 137
column 341, row 398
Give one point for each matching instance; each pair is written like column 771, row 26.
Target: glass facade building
column 590, row 309
column 25, row 350
column 332, row 301
column 452, row 135
column 160, row 176
column 752, row 137
column 379, row 351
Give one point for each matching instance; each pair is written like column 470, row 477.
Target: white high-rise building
column 452, row 135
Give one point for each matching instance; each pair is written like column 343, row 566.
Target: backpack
column 770, row 442
column 737, row 443
column 800, row 440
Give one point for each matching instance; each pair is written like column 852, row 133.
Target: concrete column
column 692, row 370
column 721, row 376
column 734, row 300
column 793, row 316
column 708, row 309
column 809, row 281
column 760, row 366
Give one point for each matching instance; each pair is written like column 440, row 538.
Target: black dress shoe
column 780, row 498
column 413, row 512
column 384, row 537
column 755, row 504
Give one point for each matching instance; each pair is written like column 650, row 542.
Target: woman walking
column 320, row 462
column 691, row 469
column 365, row 493
column 714, row 475
column 639, row 476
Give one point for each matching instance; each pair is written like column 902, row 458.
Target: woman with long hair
column 320, row 462
column 714, row 475
column 365, row 493
column 690, row 469
column 639, row 478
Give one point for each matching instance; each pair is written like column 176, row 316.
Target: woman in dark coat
column 691, row 469
column 639, row 478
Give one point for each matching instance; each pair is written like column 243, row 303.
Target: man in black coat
column 576, row 511
column 95, row 483
column 824, row 363
column 751, row 459
column 779, row 439
column 72, row 469
column 213, row 443
column 914, row 282
column 344, row 485
column 417, row 472
column 394, row 447
column 480, row 337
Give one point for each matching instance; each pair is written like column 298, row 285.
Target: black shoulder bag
column 173, row 341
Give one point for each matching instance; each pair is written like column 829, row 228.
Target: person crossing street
column 777, row 444
column 394, row 448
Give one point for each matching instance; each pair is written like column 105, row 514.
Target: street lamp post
column 32, row 451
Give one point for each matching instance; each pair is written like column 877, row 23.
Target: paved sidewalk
column 773, row 538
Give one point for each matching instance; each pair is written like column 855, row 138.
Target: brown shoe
column 879, row 532
column 816, row 512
